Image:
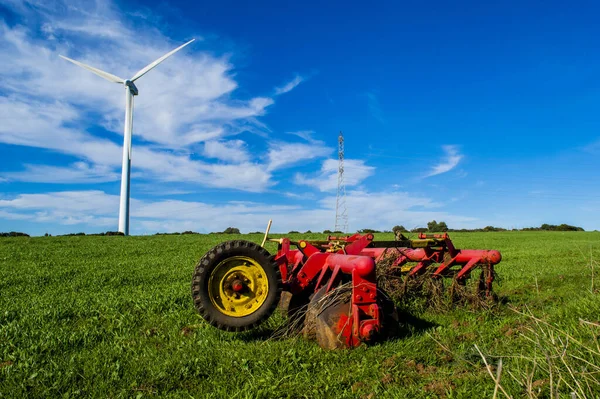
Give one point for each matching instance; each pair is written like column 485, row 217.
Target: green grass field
column 113, row 317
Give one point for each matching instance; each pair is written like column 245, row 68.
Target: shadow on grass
column 410, row 325
column 258, row 334
column 405, row 326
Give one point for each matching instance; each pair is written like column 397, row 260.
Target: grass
column 113, row 317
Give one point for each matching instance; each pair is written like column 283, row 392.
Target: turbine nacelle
column 132, row 87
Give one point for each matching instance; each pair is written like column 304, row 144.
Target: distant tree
column 308, row 232
column 294, row 232
column 14, row 234
column 492, row 228
column 567, row 227
column 367, row 231
column 419, row 230
column 327, row 232
column 231, row 230
column 432, row 226
column 552, row 227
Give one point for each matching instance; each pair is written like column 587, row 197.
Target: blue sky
column 475, row 113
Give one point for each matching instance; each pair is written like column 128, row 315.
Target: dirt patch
column 457, row 324
column 6, row 364
column 390, row 362
column 511, row 330
column 387, row 379
column 420, row 368
column 447, row 358
column 187, row 331
column 148, row 389
column 468, row 337
column 358, row 386
column 438, row 387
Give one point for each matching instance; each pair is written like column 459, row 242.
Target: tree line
column 432, row 227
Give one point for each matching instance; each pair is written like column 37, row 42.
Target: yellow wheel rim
column 238, row 286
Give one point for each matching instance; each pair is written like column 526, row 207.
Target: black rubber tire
column 205, row 267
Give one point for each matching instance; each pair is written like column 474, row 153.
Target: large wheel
column 236, row 285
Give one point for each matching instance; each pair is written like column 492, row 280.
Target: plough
column 331, row 285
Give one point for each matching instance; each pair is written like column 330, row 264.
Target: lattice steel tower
column 341, row 217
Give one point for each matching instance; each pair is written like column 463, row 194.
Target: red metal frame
column 315, row 263
column 309, row 266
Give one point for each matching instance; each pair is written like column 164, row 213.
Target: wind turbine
column 130, row 91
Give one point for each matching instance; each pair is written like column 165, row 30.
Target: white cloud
column 95, row 210
column 173, row 167
column 449, row 162
column 14, row 216
column 305, row 134
column 289, row 86
column 79, row 172
column 233, row 150
column 67, row 208
column 385, row 209
column 355, row 171
column 284, row 154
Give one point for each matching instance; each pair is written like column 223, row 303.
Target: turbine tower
column 341, row 217
column 130, row 91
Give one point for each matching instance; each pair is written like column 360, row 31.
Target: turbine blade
column 148, row 67
column 108, row 76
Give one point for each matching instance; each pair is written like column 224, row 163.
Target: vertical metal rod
column 266, row 233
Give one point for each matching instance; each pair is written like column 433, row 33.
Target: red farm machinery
column 331, row 289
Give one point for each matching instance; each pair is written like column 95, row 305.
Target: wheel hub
column 238, row 286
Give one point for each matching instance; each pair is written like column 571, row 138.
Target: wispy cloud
column 592, row 148
column 232, row 150
column 375, row 107
column 304, row 134
column 289, row 86
column 355, row 171
column 285, row 154
column 449, row 162
column 79, row 172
